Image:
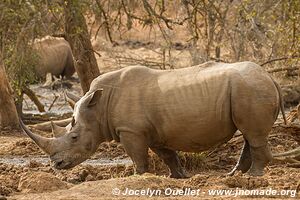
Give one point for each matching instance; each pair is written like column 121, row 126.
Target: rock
column 35, row 182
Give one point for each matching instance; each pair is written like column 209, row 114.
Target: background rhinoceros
column 54, row 56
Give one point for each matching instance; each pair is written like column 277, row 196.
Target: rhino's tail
column 280, row 101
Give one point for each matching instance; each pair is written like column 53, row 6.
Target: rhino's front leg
column 170, row 157
column 136, row 147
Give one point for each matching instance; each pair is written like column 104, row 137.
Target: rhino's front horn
column 44, row 143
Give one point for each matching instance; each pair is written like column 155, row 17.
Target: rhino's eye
column 74, row 137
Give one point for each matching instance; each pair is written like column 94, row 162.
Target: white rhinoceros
column 190, row 109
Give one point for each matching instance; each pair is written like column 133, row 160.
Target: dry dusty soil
column 25, row 173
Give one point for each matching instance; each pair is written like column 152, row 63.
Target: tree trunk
column 8, row 112
column 78, row 37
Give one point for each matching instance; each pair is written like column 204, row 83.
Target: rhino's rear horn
column 57, row 131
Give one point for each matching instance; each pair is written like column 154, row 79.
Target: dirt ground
column 207, row 171
column 26, row 173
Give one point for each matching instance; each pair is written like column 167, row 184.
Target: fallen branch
column 34, row 99
column 294, row 165
column 291, row 157
column 294, row 153
column 46, row 126
column 288, row 160
column 292, row 125
column 277, row 135
column 44, row 117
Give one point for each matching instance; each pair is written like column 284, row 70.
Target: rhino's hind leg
column 137, row 149
column 259, row 150
column 261, row 156
column 244, row 162
column 171, row 159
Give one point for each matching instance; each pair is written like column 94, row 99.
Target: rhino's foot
column 179, row 175
column 255, row 172
column 257, row 168
column 141, row 169
column 171, row 159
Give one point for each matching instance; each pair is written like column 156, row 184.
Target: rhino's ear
column 57, row 131
column 94, row 97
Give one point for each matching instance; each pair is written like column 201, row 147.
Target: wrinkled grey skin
column 55, row 57
column 190, row 109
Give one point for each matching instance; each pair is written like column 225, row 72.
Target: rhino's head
column 79, row 140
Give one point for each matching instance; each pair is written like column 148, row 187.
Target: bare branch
column 106, row 21
column 54, row 100
column 279, row 59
